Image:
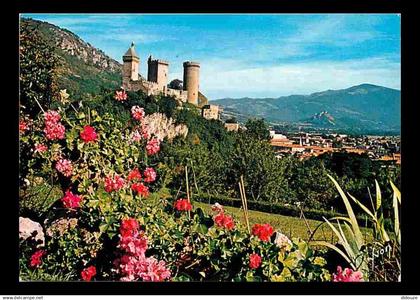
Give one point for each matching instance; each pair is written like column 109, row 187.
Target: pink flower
column 183, row 205
column 88, row 134
column 88, row 273
column 134, row 175
column 133, row 264
column 141, row 189
column 39, row 148
column 263, row 231
column 71, row 200
column 136, row 136
column 254, row 261
column 36, row 258
column 64, row 166
column 149, row 175
column 137, row 112
column 114, row 183
column 54, row 131
column 153, row 146
column 52, row 116
column 348, row 275
column 120, row 95
column 145, row 131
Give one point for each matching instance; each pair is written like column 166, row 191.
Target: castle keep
column 157, row 77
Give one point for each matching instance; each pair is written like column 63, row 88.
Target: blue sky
column 254, row 55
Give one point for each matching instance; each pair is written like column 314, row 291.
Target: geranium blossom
column 36, row 258
column 263, row 231
column 88, row 134
column 71, row 200
column 153, row 146
column 52, row 116
column 183, row 205
column 133, row 264
column 53, row 130
column 114, row 183
column 141, row 189
column 88, row 273
column 129, row 227
column 39, row 148
column 149, row 175
column 254, row 261
column 23, row 126
column 136, row 136
column 65, row 167
column 282, row 240
column 134, row 175
column 348, row 275
column 120, row 95
column 224, row 221
column 137, row 112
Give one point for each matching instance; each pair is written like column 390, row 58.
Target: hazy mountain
column 361, row 108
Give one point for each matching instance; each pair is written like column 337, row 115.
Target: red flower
column 114, row 183
column 137, row 112
column 224, row 221
column 88, row 273
column 183, row 205
column 88, row 134
column 141, row 189
column 348, row 275
column 52, row 116
column 153, row 146
column 120, row 95
column 149, row 175
column 22, row 126
column 129, row 227
column 36, row 258
column 263, row 231
column 71, row 200
column 254, row 261
column 134, row 175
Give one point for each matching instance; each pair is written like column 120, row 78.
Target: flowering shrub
column 116, row 220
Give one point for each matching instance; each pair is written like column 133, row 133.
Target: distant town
column 386, row 149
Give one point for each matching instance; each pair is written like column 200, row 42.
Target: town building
column 211, row 112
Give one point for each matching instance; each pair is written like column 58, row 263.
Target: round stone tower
column 191, row 81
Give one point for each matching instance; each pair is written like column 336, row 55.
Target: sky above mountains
column 267, row 55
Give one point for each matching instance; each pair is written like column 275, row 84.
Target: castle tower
column 131, row 64
column 157, row 71
column 191, row 81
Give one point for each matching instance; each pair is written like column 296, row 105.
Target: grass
column 290, row 226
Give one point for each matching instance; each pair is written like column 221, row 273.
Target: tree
column 258, row 129
column 175, row 84
column 38, row 64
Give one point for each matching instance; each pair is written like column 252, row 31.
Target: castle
column 157, row 78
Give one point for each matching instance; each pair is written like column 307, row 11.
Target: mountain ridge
column 363, row 107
